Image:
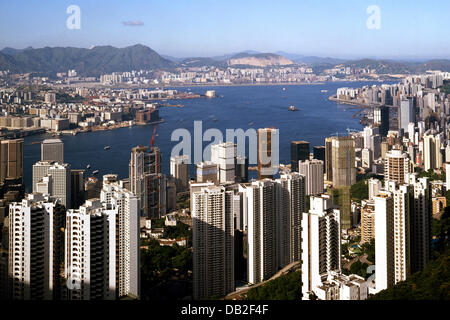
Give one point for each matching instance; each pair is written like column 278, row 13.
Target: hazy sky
column 334, row 28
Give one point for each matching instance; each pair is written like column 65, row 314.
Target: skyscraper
column 90, row 252
column 179, row 169
column 147, row 181
column 60, row 180
column 207, row 171
column 313, row 171
column 260, row 207
column 405, row 114
column 343, row 162
column 213, row 242
column 299, row 152
column 319, row 153
column 267, row 153
column 396, row 166
column 127, row 235
column 321, row 244
column 36, row 248
column 224, row 155
column 381, row 118
column 328, row 159
column 52, row 150
column 432, row 156
column 11, row 159
column 367, row 221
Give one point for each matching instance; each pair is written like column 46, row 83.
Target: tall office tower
column 381, row 118
column 421, row 223
column 384, row 240
column 343, row 162
column 241, row 169
column 52, row 150
column 411, row 131
column 179, row 169
column 406, row 114
column 367, row 221
column 299, row 152
column 224, row 155
column 432, row 156
column 366, row 158
column 207, row 171
column 328, row 159
column 11, row 160
column 291, row 203
column 319, row 153
column 375, row 186
column 146, row 180
column 321, row 243
column 77, row 188
column 375, row 146
column 259, row 205
column 268, row 157
column 368, row 133
column 447, row 176
column 313, row 171
column 127, row 235
column 396, row 166
column 60, row 180
column 36, row 248
column 213, row 242
column 90, row 252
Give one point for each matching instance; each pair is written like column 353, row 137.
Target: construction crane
column 152, row 140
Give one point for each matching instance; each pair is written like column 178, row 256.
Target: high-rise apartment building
column 127, row 235
column 90, row 252
column 432, row 157
column 213, row 242
column 207, row 171
column 396, row 166
column 52, row 150
column 321, row 244
column 299, row 152
column 406, row 114
column 313, row 171
column 367, row 221
column 36, row 248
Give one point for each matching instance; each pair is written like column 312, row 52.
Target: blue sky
column 334, row 28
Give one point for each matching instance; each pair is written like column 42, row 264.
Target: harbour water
column 235, row 107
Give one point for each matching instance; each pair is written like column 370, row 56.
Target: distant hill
column 95, row 61
column 200, row 62
column 259, row 60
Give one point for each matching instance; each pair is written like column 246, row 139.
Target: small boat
column 292, row 108
column 324, row 91
column 88, row 166
column 95, row 172
column 107, row 147
column 251, row 124
column 284, row 89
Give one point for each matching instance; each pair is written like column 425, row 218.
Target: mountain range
column 107, row 59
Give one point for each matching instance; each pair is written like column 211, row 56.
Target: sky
column 188, row 28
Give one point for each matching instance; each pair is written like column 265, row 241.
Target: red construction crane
column 152, row 141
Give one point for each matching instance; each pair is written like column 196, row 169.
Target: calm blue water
column 265, row 106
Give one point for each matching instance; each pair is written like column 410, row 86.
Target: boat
column 107, row 147
column 95, row 172
column 284, row 89
column 88, row 166
column 324, row 91
column 292, row 108
column 251, row 124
